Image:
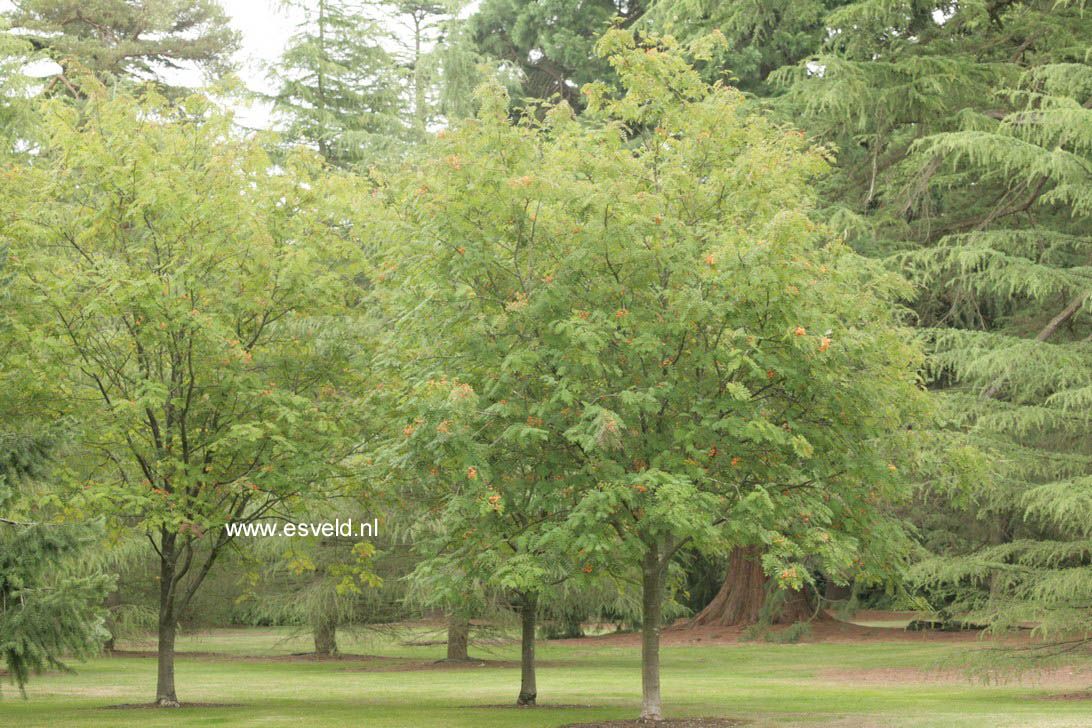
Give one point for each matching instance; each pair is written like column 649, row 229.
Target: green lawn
column 772, row 685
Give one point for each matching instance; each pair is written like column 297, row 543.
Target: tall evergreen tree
column 965, row 151
column 339, row 87
column 1014, row 349
column 424, row 23
column 49, row 608
column 551, row 42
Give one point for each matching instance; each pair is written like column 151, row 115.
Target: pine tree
column 965, row 137
column 48, row 605
column 424, row 22
column 552, row 42
column 339, row 88
column 762, row 37
column 125, row 40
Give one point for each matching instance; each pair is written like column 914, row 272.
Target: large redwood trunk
column 741, row 597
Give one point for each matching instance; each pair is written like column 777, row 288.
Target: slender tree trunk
column 113, row 603
column 652, row 597
column 527, row 688
column 418, row 79
column 743, row 594
column 164, row 690
column 458, row 637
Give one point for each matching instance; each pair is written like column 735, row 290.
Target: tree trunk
column 999, row 532
column 837, row 592
column 325, row 634
column 164, row 689
column 653, row 575
column 743, row 594
column 527, row 688
column 112, row 605
column 458, row 637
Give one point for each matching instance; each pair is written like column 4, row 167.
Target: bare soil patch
column 137, row 706
column 1081, row 695
column 831, row 630
column 668, row 723
column 550, row 706
column 383, row 664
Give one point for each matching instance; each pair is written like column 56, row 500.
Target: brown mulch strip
column 681, row 634
column 387, row 664
column 1082, row 695
column 135, row 706
column 402, row 664
column 548, row 706
column 668, row 723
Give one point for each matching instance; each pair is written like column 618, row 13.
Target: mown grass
column 770, row 684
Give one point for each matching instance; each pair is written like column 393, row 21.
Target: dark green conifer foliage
column 339, row 88
column 48, row 610
column 966, row 150
column 551, row 42
column 762, row 36
column 126, row 40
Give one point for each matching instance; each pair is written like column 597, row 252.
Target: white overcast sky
column 265, row 28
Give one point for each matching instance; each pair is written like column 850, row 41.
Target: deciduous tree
column 188, row 293
column 705, row 364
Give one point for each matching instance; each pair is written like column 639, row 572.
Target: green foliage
column 189, row 306
column 125, row 41
column 339, row 89
column 654, row 343
column 48, row 597
column 49, row 603
column 199, row 349
column 761, row 36
column 551, row 43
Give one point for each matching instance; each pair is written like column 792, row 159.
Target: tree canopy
column 118, row 40
column 188, row 300
column 645, row 301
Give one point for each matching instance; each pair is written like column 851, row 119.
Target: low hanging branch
column 1067, row 313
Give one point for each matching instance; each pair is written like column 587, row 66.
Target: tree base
column 742, row 599
column 460, row 661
